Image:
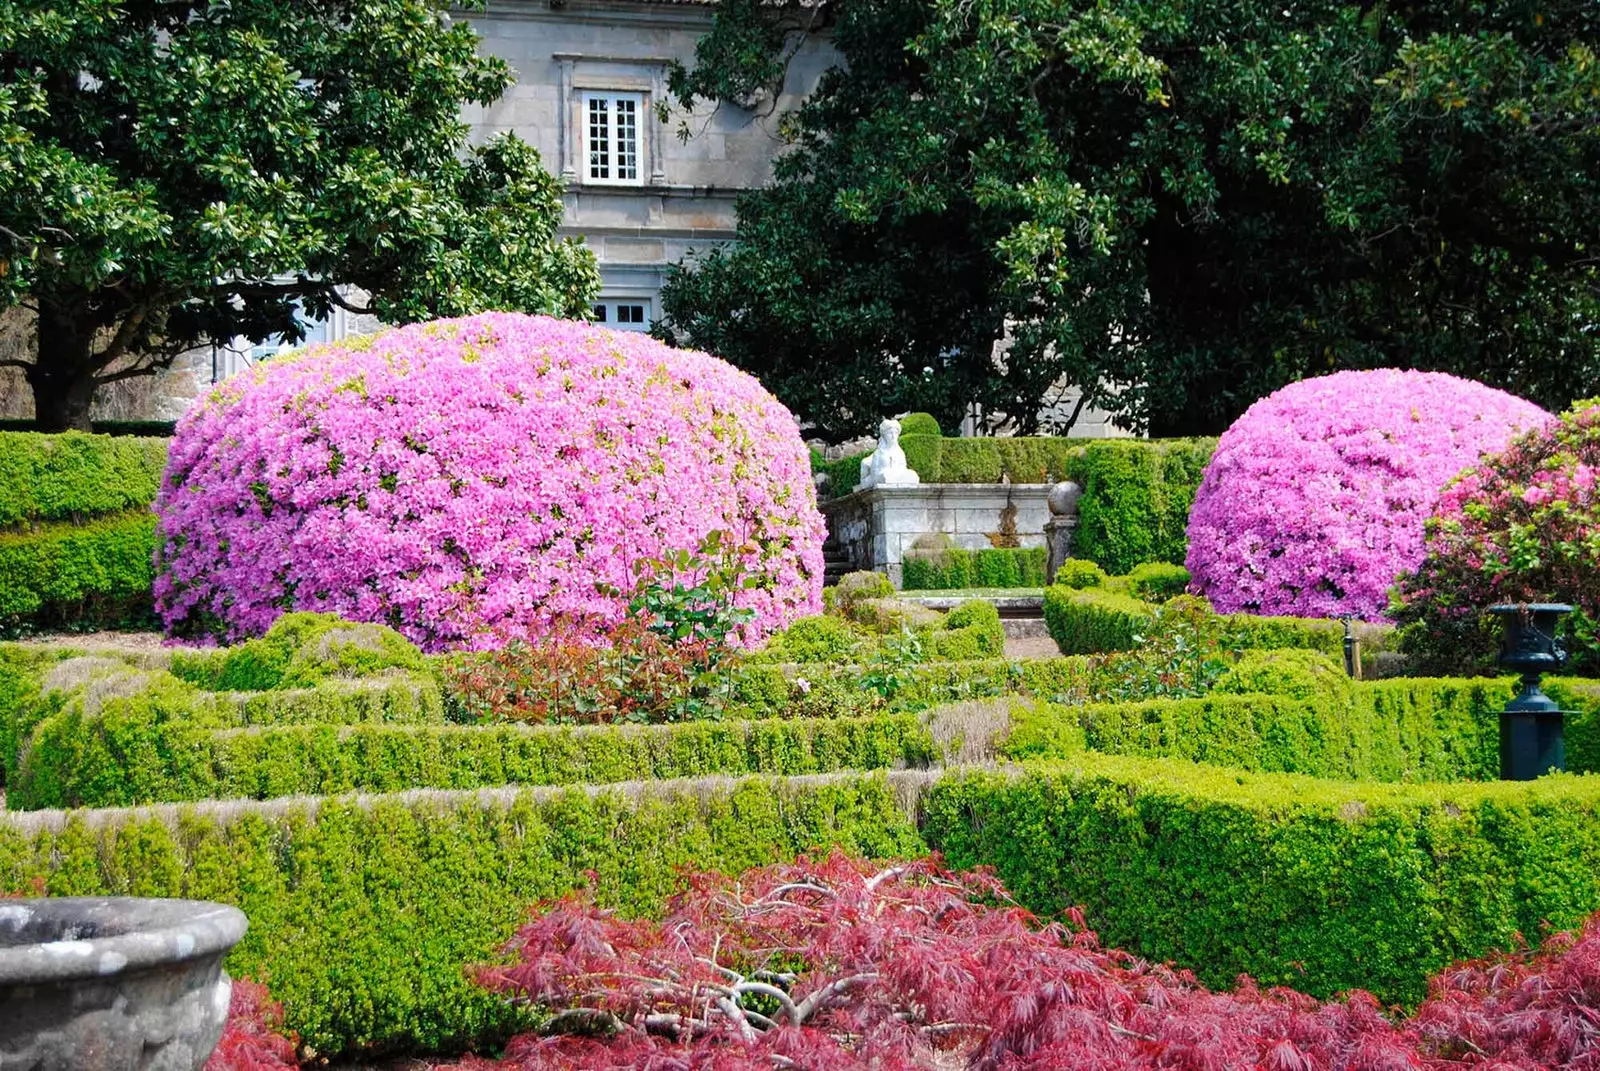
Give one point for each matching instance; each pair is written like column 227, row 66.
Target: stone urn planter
column 96, row 984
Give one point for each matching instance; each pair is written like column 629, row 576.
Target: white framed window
column 613, row 138
column 233, row 357
column 623, row 314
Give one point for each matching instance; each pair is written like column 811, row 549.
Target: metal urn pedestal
column 1531, row 725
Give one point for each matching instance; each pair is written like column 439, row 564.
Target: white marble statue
column 886, row 466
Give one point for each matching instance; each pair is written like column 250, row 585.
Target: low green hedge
column 94, row 573
column 992, row 567
column 110, row 762
column 363, row 916
column 1320, row 885
column 1094, row 620
column 1381, row 731
column 74, row 477
column 152, row 744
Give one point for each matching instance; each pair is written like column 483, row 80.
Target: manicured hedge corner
column 1094, row 620
column 1136, row 499
column 1320, row 885
column 363, row 915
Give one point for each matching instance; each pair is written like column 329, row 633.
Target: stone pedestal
column 1059, row 529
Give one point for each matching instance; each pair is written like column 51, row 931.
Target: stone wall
column 876, row 528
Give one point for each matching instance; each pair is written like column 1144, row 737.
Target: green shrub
column 1094, row 620
column 854, row 588
column 1136, row 499
column 919, row 424
column 824, row 638
column 992, row 567
column 1024, row 459
column 1080, row 573
column 1247, row 631
column 97, row 573
column 1158, row 581
column 363, row 915
column 1322, row 885
column 74, row 476
column 114, row 760
column 301, row 650
column 972, row 630
column 1291, row 672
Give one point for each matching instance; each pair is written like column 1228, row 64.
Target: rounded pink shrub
column 1316, row 497
column 467, row 481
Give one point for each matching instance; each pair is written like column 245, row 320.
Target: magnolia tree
column 1519, row 526
column 1316, row 497
column 472, row 481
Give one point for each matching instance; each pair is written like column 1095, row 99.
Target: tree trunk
column 62, row 375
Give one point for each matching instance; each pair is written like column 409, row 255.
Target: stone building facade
column 591, row 75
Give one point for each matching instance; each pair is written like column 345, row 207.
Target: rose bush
column 1520, row 526
column 470, row 481
column 1316, row 497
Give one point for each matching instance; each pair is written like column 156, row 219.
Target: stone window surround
column 580, row 72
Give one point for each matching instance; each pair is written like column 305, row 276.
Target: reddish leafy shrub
column 665, row 660
column 252, row 1040
column 841, row 965
column 1519, row 1012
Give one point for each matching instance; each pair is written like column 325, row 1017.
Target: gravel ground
column 1031, row 647
column 137, row 641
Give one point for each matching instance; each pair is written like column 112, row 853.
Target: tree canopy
column 177, row 172
column 1180, row 206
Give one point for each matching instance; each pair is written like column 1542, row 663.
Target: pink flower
column 1316, row 498
column 465, row 480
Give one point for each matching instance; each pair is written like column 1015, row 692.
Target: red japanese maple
column 845, row 966
column 252, row 1040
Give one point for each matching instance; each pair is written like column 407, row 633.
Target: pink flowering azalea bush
column 1315, row 499
column 471, row 481
column 1520, row 526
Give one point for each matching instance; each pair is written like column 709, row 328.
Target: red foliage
column 1518, row 1012
column 839, row 965
column 252, row 1040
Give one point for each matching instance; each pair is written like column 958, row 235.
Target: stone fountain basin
column 106, row 984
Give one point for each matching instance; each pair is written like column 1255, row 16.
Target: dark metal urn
column 1531, row 725
column 92, row 984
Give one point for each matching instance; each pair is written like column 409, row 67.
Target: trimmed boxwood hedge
column 99, row 572
column 1320, row 885
column 73, row 476
column 364, row 914
column 107, row 761
column 1382, row 731
column 993, row 567
column 1094, row 620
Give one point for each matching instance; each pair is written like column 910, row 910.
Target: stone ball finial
column 1064, row 498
